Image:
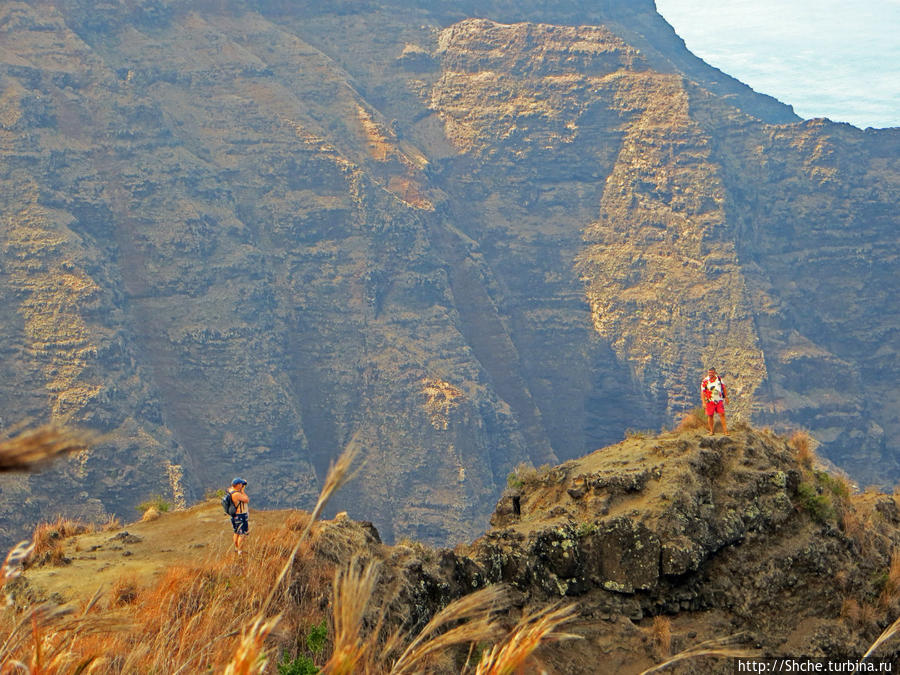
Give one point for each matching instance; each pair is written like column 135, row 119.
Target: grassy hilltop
column 661, row 544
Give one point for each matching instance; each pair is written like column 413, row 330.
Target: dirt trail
column 144, row 550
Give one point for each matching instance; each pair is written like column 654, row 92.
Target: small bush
column 522, row 474
column 585, row 529
column 890, row 586
column 802, row 444
column 695, row 419
column 150, row 514
column 817, row 505
column 836, row 485
column 661, row 632
column 513, row 482
column 155, row 502
column 317, row 638
column 302, row 665
column 639, row 434
column 47, row 537
column 124, row 591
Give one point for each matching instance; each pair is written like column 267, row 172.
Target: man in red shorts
column 715, row 396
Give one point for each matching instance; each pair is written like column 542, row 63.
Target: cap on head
column 238, row 481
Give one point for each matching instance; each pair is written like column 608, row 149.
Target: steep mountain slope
column 235, row 240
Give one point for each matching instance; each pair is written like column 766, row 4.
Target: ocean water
column 827, row 58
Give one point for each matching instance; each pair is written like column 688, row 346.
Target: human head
column 712, row 371
column 238, row 483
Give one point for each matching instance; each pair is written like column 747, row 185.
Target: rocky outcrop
column 236, row 240
column 718, row 535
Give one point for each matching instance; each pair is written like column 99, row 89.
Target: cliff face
column 235, row 241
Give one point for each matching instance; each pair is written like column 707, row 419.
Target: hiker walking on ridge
column 715, row 396
column 240, row 520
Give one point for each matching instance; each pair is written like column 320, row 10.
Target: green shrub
column 584, row 529
column 834, row 485
column 317, row 637
column 302, row 665
column 214, row 494
column 817, row 505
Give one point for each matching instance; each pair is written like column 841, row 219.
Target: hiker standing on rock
column 240, row 521
column 715, row 396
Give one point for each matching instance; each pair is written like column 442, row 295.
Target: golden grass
column 886, row 635
column 719, row 648
column 209, row 616
column 661, row 634
column 695, row 419
column 353, row 589
column 124, row 591
column 802, row 444
column 48, row 537
column 890, row 593
column 511, row 655
column 468, row 620
column 152, row 513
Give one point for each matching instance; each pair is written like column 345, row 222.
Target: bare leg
column 724, row 426
column 711, row 422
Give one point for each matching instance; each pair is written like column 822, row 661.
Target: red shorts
column 713, row 407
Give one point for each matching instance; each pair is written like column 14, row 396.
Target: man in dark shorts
column 240, row 521
column 715, row 396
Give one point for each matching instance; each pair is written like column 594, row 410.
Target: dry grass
column 469, row 620
column 803, row 446
column 661, row 634
column 152, row 513
column 511, row 655
column 112, row 523
column 48, row 537
column 695, row 419
column 890, row 593
column 124, row 591
column 850, row 611
column 206, row 617
column 719, row 648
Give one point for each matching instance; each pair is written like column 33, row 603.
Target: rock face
column 234, row 241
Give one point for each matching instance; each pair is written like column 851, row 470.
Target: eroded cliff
column 235, row 240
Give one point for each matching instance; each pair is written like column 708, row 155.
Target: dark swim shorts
column 240, row 522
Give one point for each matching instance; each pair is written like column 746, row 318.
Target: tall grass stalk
column 353, row 588
column 532, row 630
column 472, row 619
column 715, row 648
column 888, row 633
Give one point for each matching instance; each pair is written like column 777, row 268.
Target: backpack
column 228, row 504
